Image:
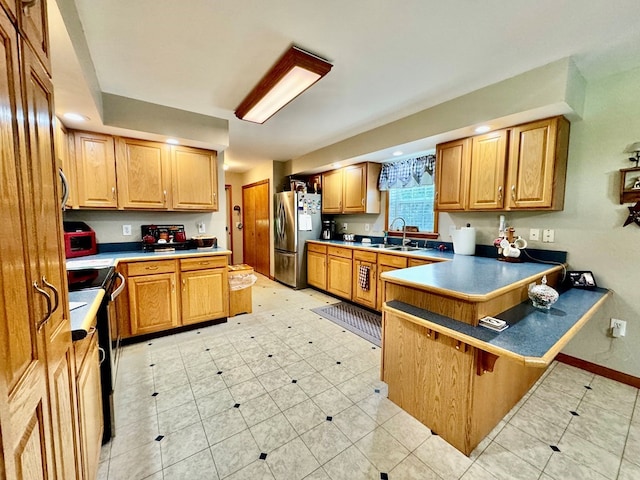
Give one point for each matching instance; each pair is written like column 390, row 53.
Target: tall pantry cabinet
column 38, row 426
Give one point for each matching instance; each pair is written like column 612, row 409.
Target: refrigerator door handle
column 281, row 222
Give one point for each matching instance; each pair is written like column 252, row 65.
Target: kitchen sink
column 407, row 249
column 397, row 248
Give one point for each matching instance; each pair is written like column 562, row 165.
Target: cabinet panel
column 317, row 269
column 91, row 423
column 204, row 295
column 153, row 303
column 339, row 276
column 487, row 173
column 95, row 170
column 366, row 297
column 33, row 25
column 143, row 174
column 63, row 159
column 452, row 164
column 332, row 192
column 354, row 181
column 195, row 179
column 537, row 164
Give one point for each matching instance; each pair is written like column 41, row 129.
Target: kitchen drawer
column 314, row 247
column 81, row 347
column 150, row 268
column 415, row 262
column 392, row 260
column 200, row 263
column 365, row 256
column 339, row 252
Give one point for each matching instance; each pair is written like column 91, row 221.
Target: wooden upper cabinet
column 33, row 26
column 143, row 174
column 195, row 179
column 487, row 172
column 63, row 159
column 352, row 189
column 452, row 164
column 538, row 164
column 95, row 170
column 332, row 192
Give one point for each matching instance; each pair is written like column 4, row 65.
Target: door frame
column 229, row 197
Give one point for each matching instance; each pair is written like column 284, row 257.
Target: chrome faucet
column 404, row 229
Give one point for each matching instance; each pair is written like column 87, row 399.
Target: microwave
column 79, row 240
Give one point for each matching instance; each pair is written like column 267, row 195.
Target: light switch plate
column 126, row 230
column 201, row 227
column 548, row 235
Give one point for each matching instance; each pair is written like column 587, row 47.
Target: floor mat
column 357, row 320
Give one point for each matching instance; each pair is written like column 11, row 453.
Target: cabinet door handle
column 55, row 292
column 27, row 4
column 113, row 193
column 500, row 193
column 103, row 355
column 513, row 192
column 173, row 286
column 65, row 189
column 362, row 202
column 184, row 285
column 164, row 193
column 47, row 297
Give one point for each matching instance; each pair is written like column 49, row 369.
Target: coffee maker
column 328, row 229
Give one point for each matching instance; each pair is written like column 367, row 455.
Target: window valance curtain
column 411, row 172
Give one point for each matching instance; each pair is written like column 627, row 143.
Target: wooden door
column 452, row 163
column 47, row 234
column 153, row 303
column 143, row 174
column 339, row 276
column 25, row 436
column 332, row 191
column 257, row 226
column 194, row 179
column 34, row 27
column 366, row 297
column 205, row 295
column 95, row 170
column 63, row 159
column 537, row 164
column 354, row 184
column 90, row 411
column 488, row 164
column 317, row 269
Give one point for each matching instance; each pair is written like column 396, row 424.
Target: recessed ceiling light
column 172, row 141
column 335, row 165
column 75, row 117
column 397, row 153
column 483, row 129
column 225, row 167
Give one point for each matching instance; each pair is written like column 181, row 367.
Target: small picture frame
column 581, row 279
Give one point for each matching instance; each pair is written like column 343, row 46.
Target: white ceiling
column 391, row 58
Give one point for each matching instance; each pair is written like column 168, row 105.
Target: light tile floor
column 282, row 393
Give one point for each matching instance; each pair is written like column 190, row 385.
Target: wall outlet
column 548, row 236
column 534, row 234
column 367, row 227
column 126, row 229
column 345, row 226
column 618, row 328
column 201, row 227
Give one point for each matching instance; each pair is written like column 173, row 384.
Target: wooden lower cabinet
column 205, row 290
column 153, row 303
column 89, row 393
column 165, row 294
column 387, row 263
column 339, row 273
column 317, row 266
column 366, row 261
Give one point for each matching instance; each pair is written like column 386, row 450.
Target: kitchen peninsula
column 460, row 379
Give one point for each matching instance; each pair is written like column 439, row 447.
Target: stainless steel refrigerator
column 297, row 219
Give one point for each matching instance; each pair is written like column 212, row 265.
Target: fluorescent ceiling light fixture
column 172, row 141
column 291, row 75
column 75, row 117
column 397, row 153
column 483, row 129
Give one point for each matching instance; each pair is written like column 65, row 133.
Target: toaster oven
column 79, row 240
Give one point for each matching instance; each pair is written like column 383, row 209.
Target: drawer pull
column 205, row 263
column 152, row 267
